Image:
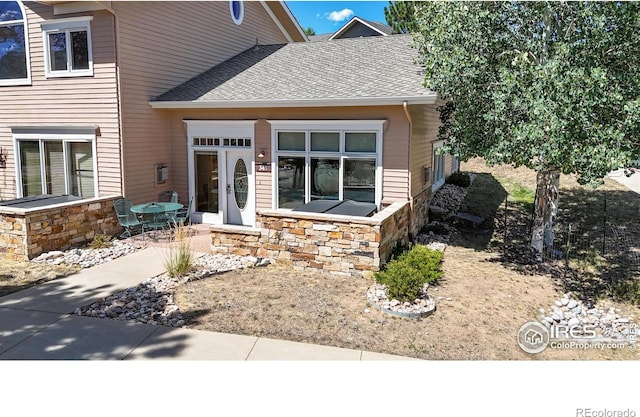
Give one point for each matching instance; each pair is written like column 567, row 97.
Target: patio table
column 154, row 214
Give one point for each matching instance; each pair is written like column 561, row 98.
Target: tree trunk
column 545, row 208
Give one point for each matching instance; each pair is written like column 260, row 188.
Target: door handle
column 228, row 188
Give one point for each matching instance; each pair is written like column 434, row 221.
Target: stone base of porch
column 342, row 245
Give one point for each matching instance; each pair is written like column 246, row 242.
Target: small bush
column 461, row 179
column 101, row 240
column 405, row 276
column 180, row 259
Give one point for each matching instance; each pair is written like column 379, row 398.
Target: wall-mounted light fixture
column 3, row 158
column 263, row 153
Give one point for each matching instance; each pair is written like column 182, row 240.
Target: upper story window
column 236, row 7
column 68, row 47
column 14, row 47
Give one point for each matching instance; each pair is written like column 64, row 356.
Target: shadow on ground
column 596, row 252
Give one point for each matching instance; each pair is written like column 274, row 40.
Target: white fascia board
column 279, row 24
column 244, row 104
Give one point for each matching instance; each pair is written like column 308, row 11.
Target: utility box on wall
column 162, row 173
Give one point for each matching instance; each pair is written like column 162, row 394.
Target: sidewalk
column 37, row 324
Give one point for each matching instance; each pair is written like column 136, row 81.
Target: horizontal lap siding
column 68, row 101
column 395, row 146
column 163, row 44
column 425, row 124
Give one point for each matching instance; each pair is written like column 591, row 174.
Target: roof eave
column 348, row 102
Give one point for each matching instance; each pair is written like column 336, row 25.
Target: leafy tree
column 553, row 86
column 309, row 31
column 400, row 15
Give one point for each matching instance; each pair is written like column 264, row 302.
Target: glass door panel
column 206, row 182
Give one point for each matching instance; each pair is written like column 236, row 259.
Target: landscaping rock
column 152, row 301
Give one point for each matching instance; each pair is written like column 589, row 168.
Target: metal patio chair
column 181, row 217
column 168, row 196
column 127, row 219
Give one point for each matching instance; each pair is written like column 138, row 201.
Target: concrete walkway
column 37, row 324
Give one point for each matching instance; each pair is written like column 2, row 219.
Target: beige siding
column 163, row 44
column 425, row 123
column 69, row 101
column 395, row 156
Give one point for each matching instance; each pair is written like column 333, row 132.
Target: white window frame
column 23, row 21
column 66, row 139
column 438, row 170
column 216, row 129
column 326, row 126
column 67, row 26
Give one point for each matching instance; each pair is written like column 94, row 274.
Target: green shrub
column 101, row 240
column 405, row 276
column 461, row 179
column 426, row 261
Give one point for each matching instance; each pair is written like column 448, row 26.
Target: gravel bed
column 152, row 301
column 87, row 257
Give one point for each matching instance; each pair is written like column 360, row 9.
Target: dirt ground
column 481, row 304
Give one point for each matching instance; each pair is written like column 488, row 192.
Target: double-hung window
column 334, row 160
column 14, row 45
column 68, row 47
column 55, row 164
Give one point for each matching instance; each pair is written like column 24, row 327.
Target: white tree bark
column 544, row 212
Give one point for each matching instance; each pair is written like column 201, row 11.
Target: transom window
column 14, row 48
column 331, row 162
column 68, row 47
column 56, row 166
column 222, row 142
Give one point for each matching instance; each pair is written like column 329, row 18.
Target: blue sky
column 329, row 16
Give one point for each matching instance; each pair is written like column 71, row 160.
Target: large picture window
column 14, row 50
column 56, row 167
column 68, row 47
column 338, row 160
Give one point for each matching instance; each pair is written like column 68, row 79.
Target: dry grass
column 17, row 276
column 482, row 300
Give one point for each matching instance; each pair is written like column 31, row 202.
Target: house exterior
column 94, row 100
column 227, row 104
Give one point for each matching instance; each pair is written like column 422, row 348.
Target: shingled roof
column 358, row 71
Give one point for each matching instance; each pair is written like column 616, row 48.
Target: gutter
column 116, row 38
column 405, row 108
column 281, row 103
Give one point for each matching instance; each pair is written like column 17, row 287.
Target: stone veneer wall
column 420, row 212
column 343, row 245
column 26, row 233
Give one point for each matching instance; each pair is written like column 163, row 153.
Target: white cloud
column 340, row 16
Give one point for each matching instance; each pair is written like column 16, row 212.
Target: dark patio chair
column 168, row 196
column 126, row 217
